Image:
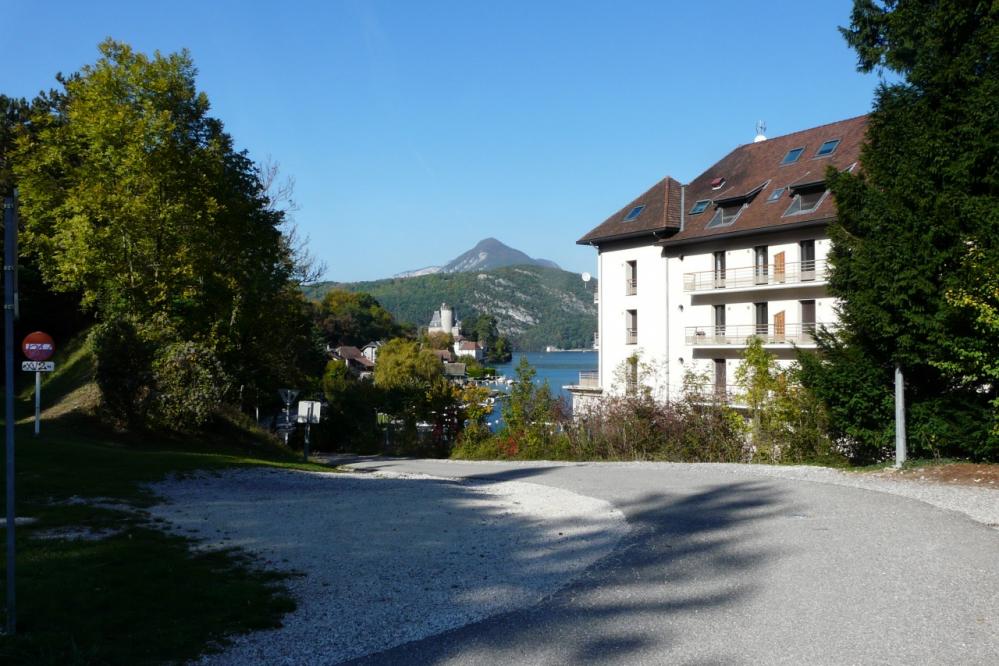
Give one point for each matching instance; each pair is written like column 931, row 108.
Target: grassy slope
column 559, row 303
column 140, row 596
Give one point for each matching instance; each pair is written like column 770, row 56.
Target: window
column 776, row 194
column 631, row 330
column 725, row 216
column 792, row 156
column 807, row 259
column 720, row 270
column 720, row 383
column 717, row 183
column 635, row 212
column 631, row 379
column 762, row 319
column 827, row 148
column 760, row 264
column 630, row 278
column 719, row 323
column 700, row 206
column 807, row 319
column 805, row 202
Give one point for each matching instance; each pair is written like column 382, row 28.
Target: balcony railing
column 631, row 336
column 756, row 276
column 596, row 341
column 596, row 297
column 799, row 334
column 630, row 287
column 589, row 379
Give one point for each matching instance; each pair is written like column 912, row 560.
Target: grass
column 139, row 595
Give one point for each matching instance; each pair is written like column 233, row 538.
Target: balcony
column 596, row 340
column 630, row 287
column 596, row 298
column 801, row 335
column 755, row 277
column 631, row 336
column 589, row 379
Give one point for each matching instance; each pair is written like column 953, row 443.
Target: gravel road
column 389, row 558
column 441, row 562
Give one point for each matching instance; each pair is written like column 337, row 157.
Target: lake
column 559, row 368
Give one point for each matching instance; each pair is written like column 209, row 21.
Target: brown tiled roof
column 349, row 352
column 748, row 166
column 443, row 354
column 661, row 213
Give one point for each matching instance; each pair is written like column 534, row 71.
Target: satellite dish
column 586, row 277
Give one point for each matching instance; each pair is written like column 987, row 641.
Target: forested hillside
column 535, row 306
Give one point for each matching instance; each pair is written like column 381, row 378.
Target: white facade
column 675, row 301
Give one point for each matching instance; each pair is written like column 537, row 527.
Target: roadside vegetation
column 98, row 582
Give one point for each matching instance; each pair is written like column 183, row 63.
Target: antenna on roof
column 761, row 128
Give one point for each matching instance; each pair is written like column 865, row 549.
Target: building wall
column 666, row 310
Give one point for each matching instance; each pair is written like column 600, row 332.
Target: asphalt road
column 727, row 568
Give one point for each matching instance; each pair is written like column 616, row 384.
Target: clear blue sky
column 414, row 129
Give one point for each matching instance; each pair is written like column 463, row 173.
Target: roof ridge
column 801, row 131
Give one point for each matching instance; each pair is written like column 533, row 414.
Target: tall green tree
column 136, row 199
column 917, row 237
column 354, row 318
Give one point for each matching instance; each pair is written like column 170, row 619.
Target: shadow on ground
column 685, row 553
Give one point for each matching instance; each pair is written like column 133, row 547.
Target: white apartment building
column 688, row 273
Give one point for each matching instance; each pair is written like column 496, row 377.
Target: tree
column 917, row 235
column 134, row 198
column 354, row 318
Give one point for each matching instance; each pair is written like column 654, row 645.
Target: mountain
column 534, row 305
column 487, row 254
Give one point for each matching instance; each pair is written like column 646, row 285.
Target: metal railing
column 596, row 297
column 589, row 379
column 756, row 276
column 799, row 334
column 631, row 336
column 630, row 287
column 596, row 340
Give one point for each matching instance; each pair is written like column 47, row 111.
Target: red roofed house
column 688, row 273
column 469, row 348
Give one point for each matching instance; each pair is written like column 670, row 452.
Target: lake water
column 559, row 368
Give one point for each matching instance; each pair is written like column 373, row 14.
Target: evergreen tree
column 917, row 236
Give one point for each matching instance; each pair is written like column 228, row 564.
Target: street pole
column 9, row 269
column 38, row 401
column 308, row 425
column 900, row 447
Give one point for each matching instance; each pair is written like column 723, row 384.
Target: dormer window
column 717, row 183
column 827, row 148
column 792, row 156
column 806, row 202
column 700, row 206
column 725, row 216
column 776, row 194
column 634, row 213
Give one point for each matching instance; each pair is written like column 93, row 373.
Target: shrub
column 189, row 385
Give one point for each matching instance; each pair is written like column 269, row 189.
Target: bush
column 189, row 386
column 123, row 371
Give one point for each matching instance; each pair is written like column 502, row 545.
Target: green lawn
column 140, row 595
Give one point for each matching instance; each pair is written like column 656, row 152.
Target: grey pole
column 38, row 401
column 308, row 425
column 9, row 268
column 900, row 448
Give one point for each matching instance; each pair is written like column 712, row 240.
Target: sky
column 413, row 130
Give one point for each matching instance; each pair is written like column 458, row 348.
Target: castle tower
column 447, row 317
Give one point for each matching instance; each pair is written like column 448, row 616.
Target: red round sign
column 38, row 346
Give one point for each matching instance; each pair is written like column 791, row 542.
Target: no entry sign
column 38, row 346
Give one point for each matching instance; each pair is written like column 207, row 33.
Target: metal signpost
column 9, row 278
column 287, row 396
column 308, row 413
column 38, row 347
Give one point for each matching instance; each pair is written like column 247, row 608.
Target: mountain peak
column 487, row 254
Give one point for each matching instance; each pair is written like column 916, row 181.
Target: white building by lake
column 688, row 273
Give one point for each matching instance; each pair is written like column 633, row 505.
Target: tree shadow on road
column 685, row 553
